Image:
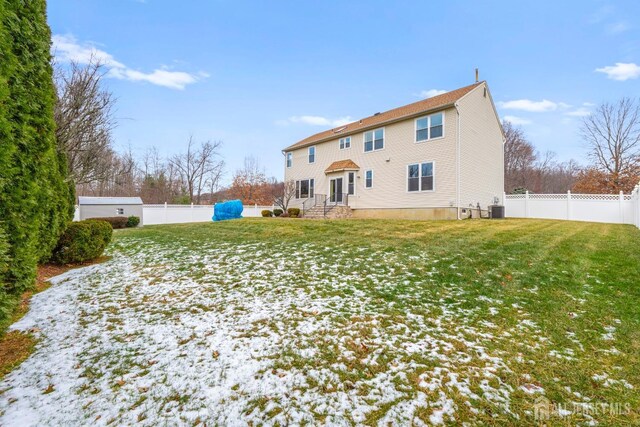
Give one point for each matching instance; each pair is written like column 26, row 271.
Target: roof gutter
column 458, row 162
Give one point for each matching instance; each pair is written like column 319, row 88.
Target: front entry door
column 335, row 190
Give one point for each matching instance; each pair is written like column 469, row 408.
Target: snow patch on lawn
column 257, row 333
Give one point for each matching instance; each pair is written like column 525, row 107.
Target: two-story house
column 432, row 159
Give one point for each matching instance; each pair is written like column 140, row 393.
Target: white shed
column 99, row 207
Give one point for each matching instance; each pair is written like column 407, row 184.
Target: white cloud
column 580, row 112
column 160, row 77
column 431, row 93
column 621, row 71
column 533, row 106
column 517, row 120
column 316, row 121
column 66, row 48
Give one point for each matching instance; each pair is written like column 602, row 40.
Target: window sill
column 429, row 140
column 374, row 151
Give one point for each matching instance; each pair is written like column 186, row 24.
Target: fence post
column 621, row 207
column 637, row 210
column 526, row 204
column 191, row 211
column 504, row 203
column 569, row 204
column 165, row 212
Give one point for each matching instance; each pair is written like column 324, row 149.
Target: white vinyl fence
column 177, row 214
column 612, row 208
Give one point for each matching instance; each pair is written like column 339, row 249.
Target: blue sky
column 262, row 75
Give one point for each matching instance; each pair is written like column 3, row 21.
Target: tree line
column 611, row 135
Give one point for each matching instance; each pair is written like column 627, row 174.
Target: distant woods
column 611, row 135
column 84, row 114
column 526, row 169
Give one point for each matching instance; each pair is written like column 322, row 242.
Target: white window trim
column 289, row 154
column 343, row 139
column 384, row 140
column 355, row 180
column 428, row 117
column 365, row 179
column 315, row 151
column 433, row 170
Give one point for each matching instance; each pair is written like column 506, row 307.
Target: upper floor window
column 374, row 140
column 368, row 179
column 289, row 159
column 345, row 142
column 312, row 154
column 420, row 177
column 430, row 127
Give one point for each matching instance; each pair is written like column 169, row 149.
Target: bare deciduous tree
column 84, row 120
column 612, row 134
column 282, row 193
column 197, row 165
column 519, row 157
column 250, row 183
column 527, row 169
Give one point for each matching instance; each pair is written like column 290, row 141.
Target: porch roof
column 342, row 165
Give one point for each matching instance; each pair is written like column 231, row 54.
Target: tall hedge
column 36, row 198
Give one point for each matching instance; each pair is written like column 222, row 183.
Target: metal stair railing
column 337, row 199
column 308, row 204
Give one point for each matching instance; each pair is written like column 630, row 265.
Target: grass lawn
column 341, row 322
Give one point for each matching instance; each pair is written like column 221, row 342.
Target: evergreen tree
column 36, row 199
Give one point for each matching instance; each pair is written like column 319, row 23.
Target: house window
column 345, row 143
column 374, row 140
column 304, row 188
column 312, row 154
column 430, row 127
column 120, row 211
column 351, row 183
column 420, row 177
column 289, row 159
column 368, row 179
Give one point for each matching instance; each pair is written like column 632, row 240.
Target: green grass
column 364, row 322
column 567, row 280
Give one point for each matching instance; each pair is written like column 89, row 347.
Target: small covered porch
column 341, row 180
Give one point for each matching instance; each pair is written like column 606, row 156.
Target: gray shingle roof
column 83, row 200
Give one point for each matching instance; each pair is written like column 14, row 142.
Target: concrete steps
column 333, row 212
column 316, row 212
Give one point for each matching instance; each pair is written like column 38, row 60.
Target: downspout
column 458, row 162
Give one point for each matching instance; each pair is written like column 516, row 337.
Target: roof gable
column 342, row 165
column 378, row 119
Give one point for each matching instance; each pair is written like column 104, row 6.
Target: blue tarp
column 227, row 210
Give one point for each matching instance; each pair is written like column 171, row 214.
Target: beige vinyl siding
column 389, row 177
column 481, row 152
